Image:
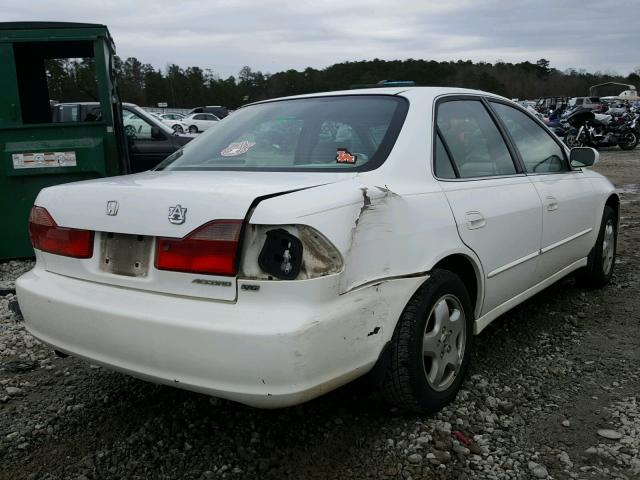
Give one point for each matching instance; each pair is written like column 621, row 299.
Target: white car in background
column 172, row 120
column 199, row 122
column 316, row 238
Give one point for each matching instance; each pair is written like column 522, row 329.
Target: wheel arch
column 613, row 201
column 469, row 272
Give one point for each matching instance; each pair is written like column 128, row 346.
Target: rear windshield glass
column 351, row 133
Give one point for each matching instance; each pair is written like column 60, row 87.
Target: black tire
column 596, row 274
column 570, row 140
column 130, row 131
column 630, row 143
column 177, row 128
column 403, row 379
column 193, row 129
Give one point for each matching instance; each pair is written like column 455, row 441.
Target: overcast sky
column 272, row 35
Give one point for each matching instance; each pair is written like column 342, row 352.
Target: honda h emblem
column 177, row 215
column 112, row 208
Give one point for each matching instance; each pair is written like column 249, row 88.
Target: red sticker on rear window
column 344, row 156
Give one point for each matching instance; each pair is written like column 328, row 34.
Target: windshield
column 349, row 132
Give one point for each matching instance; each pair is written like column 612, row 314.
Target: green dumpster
column 40, row 146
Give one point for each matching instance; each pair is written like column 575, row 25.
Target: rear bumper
column 279, row 346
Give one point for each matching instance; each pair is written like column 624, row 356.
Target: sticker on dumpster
column 44, row 159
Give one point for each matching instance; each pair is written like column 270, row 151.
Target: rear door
column 199, row 121
column 496, row 207
column 569, row 205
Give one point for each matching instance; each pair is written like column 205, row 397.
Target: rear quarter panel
column 381, row 233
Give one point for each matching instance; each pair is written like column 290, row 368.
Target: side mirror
column 583, row 157
column 156, row 133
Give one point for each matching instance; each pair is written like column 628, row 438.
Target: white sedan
column 315, row 239
column 199, row 122
column 170, row 120
column 173, row 120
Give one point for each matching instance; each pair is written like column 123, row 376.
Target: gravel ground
column 552, row 393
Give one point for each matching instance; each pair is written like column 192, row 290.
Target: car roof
column 424, row 92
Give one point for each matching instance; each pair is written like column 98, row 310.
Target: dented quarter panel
column 387, row 223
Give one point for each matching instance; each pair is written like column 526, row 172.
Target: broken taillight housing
column 210, row 249
column 269, row 252
column 47, row 236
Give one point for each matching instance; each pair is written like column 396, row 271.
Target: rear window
column 346, row 133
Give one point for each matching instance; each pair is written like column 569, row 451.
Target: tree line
column 145, row 85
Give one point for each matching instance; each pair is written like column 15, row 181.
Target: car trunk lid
column 129, row 213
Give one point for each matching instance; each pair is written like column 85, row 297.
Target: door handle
column 475, row 220
column 552, row 204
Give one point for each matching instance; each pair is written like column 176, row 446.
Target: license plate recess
column 123, row 254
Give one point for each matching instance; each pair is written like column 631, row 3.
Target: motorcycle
column 634, row 124
column 599, row 130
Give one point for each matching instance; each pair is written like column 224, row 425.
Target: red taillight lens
column 211, row 249
column 47, row 236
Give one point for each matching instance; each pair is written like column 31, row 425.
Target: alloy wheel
column 444, row 342
column 608, row 247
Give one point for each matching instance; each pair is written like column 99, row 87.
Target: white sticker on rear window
column 238, row 148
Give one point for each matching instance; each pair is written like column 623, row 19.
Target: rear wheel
column 602, row 258
column 629, row 142
column 429, row 352
column 130, row 130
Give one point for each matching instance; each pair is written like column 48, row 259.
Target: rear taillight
column 211, row 249
column 47, row 236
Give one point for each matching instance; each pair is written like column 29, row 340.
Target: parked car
column 218, row 110
column 149, row 140
column 199, row 122
column 76, row 112
column 592, row 103
column 314, row 239
column 174, row 120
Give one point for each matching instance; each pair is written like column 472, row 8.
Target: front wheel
column 178, row 128
column 193, row 129
column 431, row 345
column 570, row 140
column 602, row 258
column 629, row 142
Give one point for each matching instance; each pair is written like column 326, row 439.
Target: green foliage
column 144, row 85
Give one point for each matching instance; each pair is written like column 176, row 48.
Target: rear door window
column 443, row 164
column 473, row 140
